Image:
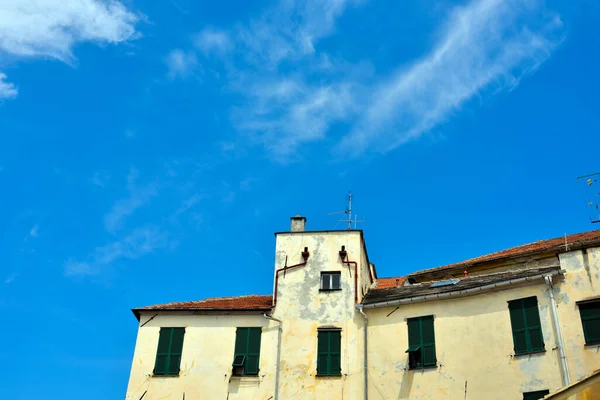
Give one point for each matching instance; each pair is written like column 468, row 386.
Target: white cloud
column 121, row 209
column 51, row 28
column 7, row 90
column 11, row 278
column 180, row 64
column 34, row 231
column 212, row 40
column 140, row 242
column 489, row 44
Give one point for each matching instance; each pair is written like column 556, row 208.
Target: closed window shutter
column 534, row 326
column 428, row 341
column 162, row 353
column 322, row 352
column 175, row 351
column 253, row 353
column 414, row 332
column 517, row 321
column 334, row 353
column 590, row 319
column 168, row 353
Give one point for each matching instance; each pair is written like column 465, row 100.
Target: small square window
column 539, row 394
column 330, row 281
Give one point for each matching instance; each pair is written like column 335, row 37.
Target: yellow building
column 516, row 324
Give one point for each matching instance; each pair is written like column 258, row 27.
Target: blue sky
column 149, row 150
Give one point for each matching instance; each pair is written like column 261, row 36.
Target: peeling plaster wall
column 474, row 349
column 303, row 308
column 582, row 280
column 206, row 359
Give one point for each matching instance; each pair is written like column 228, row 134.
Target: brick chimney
column 298, row 223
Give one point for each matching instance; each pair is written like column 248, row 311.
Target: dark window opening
column 590, row 320
column 330, row 280
column 247, row 351
column 421, row 342
column 526, row 326
column 168, row 353
column 539, row 394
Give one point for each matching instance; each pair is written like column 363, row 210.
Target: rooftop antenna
column 591, row 184
column 350, row 218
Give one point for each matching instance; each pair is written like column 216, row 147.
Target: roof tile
column 250, row 302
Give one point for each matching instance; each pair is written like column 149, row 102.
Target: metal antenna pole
column 349, row 210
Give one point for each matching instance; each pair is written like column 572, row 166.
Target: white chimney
column 298, row 223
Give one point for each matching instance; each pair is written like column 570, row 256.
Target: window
column 526, row 326
column 329, row 353
column 168, row 354
column 535, row 395
column 421, row 342
column 247, row 351
column 330, row 281
column 590, row 319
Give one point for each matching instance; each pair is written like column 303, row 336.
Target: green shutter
column 427, row 341
column 421, row 342
column 335, row 352
column 590, row 320
column 329, row 353
column 322, row 352
column 517, row 320
column 247, row 348
column 168, row 353
column 535, row 395
column 526, row 326
column 253, row 353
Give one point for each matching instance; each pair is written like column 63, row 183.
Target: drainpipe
column 564, row 370
column 305, row 255
column 279, row 331
column 343, row 255
column 359, row 307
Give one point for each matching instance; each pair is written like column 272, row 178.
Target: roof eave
column 550, row 251
column 137, row 311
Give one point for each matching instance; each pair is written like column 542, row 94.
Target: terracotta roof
column 250, row 302
column 386, row 283
column 539, row 246
column 433, row 289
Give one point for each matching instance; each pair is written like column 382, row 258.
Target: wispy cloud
column 138, row 243
column 7, row 90
column 10, row 278
column 34, row 231
column 55, row 26
column 180, row 64
column 490, row 44
column 483, row 48
column 212, row 40
column 99, row 179
column 139, row 195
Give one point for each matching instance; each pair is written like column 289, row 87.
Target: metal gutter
column 359, row 307
column 200, row 311
column 459, row 293
column 564, row 369
column 277, row 366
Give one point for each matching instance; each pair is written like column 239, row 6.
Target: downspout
column 305, row 255
column 564, row 369
column 279, row 331
column 344, row 255
column 359, row 307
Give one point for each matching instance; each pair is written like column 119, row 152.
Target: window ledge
column 423, row 368
column 249, row 378
column 592, row 344
column 530, row 353
column 328, row 376
column 330, row 290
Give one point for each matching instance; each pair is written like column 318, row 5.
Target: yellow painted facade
column 473, row 336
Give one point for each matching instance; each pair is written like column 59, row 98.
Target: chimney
column 298, row 223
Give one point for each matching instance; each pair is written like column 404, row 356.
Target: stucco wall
column 474, row 350
column 206, row 359
column 304, row 308
column 582, row 280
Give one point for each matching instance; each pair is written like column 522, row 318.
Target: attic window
column 446, row 283
column 330, row 281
